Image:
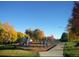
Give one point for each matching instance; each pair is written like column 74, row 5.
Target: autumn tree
column 39, row 35
column 51, row 38
column 30, row 33
column 26, row 36
column 12, row 34
column 4, row 36
column 73, row 26
column 20, row 36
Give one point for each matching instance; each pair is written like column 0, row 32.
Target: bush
column 7, row 46
column 69, row 44
column 70, row 50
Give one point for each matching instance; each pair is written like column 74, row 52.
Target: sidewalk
column 57, row 51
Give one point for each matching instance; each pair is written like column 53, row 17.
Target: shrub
column 70, row 50
column 7, row 46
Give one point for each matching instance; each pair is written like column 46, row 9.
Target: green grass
column 10, row 50
column 19, row 53
column 70, row 50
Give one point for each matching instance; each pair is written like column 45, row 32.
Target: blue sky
column 51, row 17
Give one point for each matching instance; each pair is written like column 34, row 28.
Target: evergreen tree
column 64, row 37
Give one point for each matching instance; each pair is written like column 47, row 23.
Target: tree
column 39, row 35
column 51, row 38
column 22, row 38
column 29, row 32
column 19, row 37
column 26, row 39
column 73, row 26
column 12, row 34
column 26, row 36
column 64, row 37
column 4, row 37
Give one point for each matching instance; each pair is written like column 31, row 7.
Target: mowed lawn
column 18, row 53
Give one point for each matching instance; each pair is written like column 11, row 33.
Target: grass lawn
column 70, row 50
column 18, row 53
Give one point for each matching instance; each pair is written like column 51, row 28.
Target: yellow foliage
column 26, row 35
column 73, row 37
column 11, row 32
column 21, row 35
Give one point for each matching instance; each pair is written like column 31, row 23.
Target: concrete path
column 57, row 51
